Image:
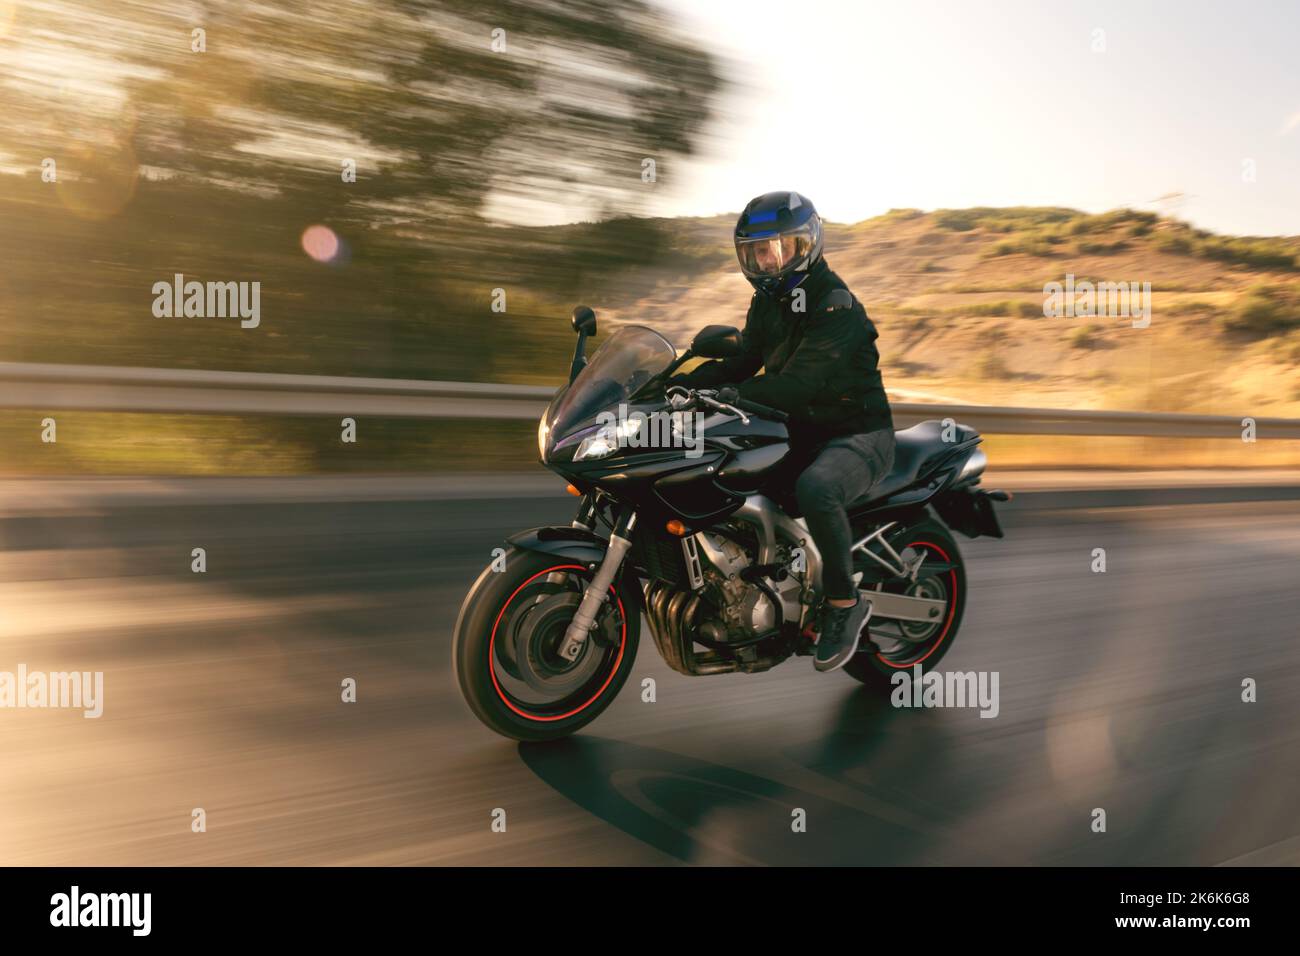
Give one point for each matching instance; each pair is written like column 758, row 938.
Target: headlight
column 543, row 432
column 607, row 441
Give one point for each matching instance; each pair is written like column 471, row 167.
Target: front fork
column 620, row 542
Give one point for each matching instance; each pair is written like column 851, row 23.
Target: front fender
column 576, row 544
column 573, row 544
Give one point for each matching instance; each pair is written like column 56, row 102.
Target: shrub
column 1176, row 243
column 1018, row 307
column 1029, row 244
column 1286, row 348
column 1100, row 248
column 1109, row 220
column 1260, row 253
column 1256, row 253
column 990, row 365
column 1190, row 306
column 1265, row 310
column 1084, row 336
column 1009, row 219
column 958, row 220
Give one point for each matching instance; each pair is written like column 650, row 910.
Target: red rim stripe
column 952, row 610
column 492, row 645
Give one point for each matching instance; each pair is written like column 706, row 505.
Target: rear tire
column 876, row 670
column 488, row 665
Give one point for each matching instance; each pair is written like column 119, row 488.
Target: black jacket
column 820, row 365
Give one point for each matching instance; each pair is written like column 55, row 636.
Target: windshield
column 629, row 358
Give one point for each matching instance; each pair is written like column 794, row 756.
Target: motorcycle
column 707, row 545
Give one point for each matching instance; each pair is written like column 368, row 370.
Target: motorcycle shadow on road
column 696, row 811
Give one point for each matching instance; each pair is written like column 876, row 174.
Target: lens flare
column 97, row 183
column 321, row 243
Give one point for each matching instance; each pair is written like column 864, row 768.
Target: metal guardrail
column 109, row 388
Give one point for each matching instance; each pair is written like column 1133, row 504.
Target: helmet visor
column 774, row 255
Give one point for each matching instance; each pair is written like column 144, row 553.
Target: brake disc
column 919, row 632
column 537, row 643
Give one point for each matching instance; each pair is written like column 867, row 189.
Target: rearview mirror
column 584, row 323
column 717, row 341
column 584, row 320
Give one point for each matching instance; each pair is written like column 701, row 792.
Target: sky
column 865, row 106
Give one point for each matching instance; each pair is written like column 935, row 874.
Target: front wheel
column 904, row 644
column 506, row 642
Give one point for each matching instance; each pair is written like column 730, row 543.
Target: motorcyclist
column 816, row 347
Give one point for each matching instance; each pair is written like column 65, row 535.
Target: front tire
column 876, row 670
column 510, row 625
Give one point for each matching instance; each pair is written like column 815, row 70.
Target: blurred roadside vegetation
column 1044, row 231
column 457, row 117
column 121, row 444
column 212, row 164
column 118, row 443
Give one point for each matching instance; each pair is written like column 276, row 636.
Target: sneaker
column 841, row 628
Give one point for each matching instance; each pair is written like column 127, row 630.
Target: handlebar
column 740, row 406
column 767, row 411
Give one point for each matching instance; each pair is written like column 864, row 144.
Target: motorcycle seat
column 915, row 448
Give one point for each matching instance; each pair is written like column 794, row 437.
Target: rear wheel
column 507, row 639
column 904, row 644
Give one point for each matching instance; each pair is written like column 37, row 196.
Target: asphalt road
column 1118, row 690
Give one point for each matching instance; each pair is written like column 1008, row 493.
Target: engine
column 742, row 609
column 723, row 603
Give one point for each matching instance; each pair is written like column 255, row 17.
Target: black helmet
column 778, row 239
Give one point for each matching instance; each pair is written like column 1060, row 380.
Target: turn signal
column 676, row 527
column 573, row 491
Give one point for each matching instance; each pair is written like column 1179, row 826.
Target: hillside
column 958, row 298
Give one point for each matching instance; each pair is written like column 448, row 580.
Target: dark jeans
column 844, row 470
